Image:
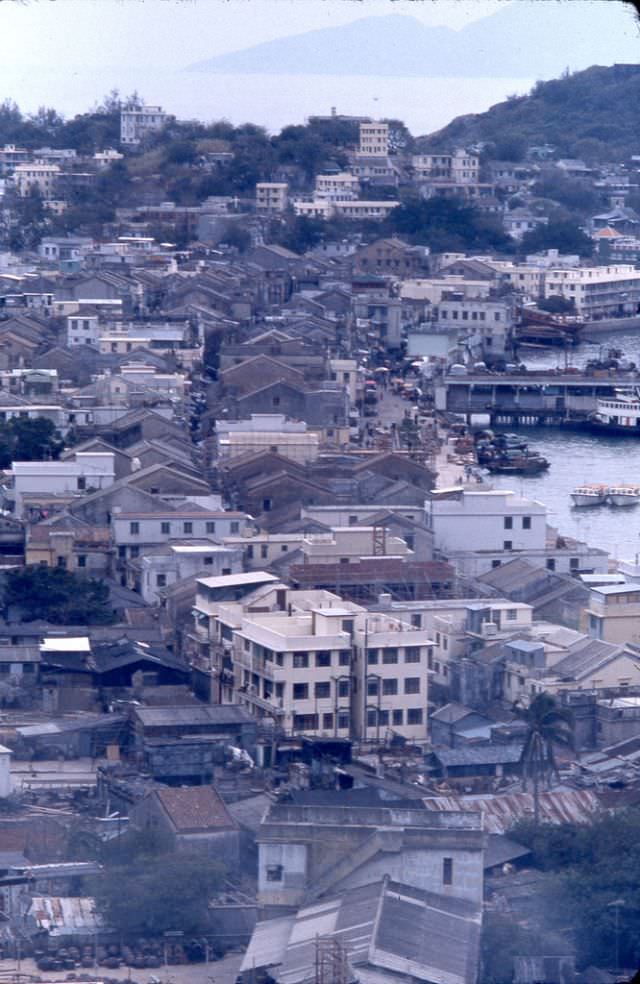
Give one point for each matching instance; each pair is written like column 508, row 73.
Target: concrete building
column 340, row 187
column 267, row 431
column 38, row 175
column 35, row 480
column 83, row 328
column 272, row 196
column 161, row 567
column 136, row 123
column 132, row 532
column 485, row 324
column 598, row 292
column 193, row 818
column 374, row 139
column 308, row 852
column 613, row 613
column 460, row 167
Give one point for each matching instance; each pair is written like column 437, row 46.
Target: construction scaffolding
column 331, row 961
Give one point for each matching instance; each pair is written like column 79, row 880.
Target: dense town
column 290, row 691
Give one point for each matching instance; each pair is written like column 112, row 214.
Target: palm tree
column 548, row 725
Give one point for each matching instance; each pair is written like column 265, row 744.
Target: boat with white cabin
column 618, row 414
column 590, row 495
column 624, row 495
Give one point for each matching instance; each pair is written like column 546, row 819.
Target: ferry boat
column 590, row 495
column 624, row 495
column 618, row 414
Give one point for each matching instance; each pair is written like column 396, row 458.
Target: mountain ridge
column 521, row 40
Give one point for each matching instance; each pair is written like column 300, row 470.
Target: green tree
column 564, row 235
column 57, row 596
column 548, row 725
column 556, row 304
column 165, row 891
column 24, row 439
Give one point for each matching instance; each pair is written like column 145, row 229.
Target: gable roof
column 194, row 809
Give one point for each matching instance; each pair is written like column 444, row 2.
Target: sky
column 71, row 33
column 68, row 54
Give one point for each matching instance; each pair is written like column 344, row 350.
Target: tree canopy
column 564, row 235
column 29, row 439
column 57, row 596
column 445, row 224
column 165, row 891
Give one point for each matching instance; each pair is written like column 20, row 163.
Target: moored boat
column 618, row 414
column 624, row 495
column 589, row 495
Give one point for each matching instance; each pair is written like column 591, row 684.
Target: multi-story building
column 38, row 175
column 374, row 139
column 315, row 664
column 133, row 532
column 272, row 196
column 340, row 187
column 598, row 292
column 83, row 328
column 35, row 482
column 486, row 324
column 136, row 123
column 460, row 167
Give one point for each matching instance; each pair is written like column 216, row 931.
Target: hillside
column 594, row 114
column 519, row 40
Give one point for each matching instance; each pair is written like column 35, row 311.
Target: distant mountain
column 522, row 40
column 593, row 114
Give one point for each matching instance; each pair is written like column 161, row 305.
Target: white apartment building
column 163, row 566
column 313, row 208
column 459, row 167
column 83, row 329
column 486, row 324
column 598, row 292
column 346, row 372
column 36, row 175
column 135, row 124
column 364, row 209
column 272, row 196
column 337, row 187
column 133, row 531
column 374, row 139
column 475, row 529
column 267, row 431
column 87, row 471
column 333, row 670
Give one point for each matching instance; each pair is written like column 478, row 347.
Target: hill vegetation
column 593, row 115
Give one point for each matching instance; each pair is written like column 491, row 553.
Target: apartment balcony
column 254, row 665
column 247, row 695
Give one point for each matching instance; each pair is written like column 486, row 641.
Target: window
column 266, row 505
column 447, row 871
column 327, row 721
column 300, row 691
column 82, row 483
column 412, row 685
column 250, row 552
column 134, row 551
column 389, row 656
column 343, row 688
column 372, row 656
column 235, row 526
column 208, row 561
column 495, row 563
column 412, row 654
column 165, row 527
column 161, row 580
column 82, row 560
column 383, row 718
column 274, row 872
column 389, row 688
column 416, row 620
column 574, row 563
column 343, row 721
column 398, row 717
column 300, row 661
column 134, row 528
column 508, row 522
column 264, row 550
column 323, row 659
column 372, row 687
column 507, row 545
column 210, row 527
column 414, row 715
column 323, row 690
column 344, row 659
column 371, row 719
column 430, row 658
column 347, row 625
column 526, row 522
column 512, row 614
column 551, row 564
column 187, row 527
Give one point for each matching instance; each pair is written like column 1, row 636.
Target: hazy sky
column 70, row 33
column 69, row 53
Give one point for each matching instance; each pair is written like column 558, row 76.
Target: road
column 221, row 972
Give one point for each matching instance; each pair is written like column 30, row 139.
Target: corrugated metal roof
column 502, row 812
column 65, row 916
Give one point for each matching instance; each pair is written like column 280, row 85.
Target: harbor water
column 580, row 457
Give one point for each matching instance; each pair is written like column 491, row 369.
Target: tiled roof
column 195, row 808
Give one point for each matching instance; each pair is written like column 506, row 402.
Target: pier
column 544, row 398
